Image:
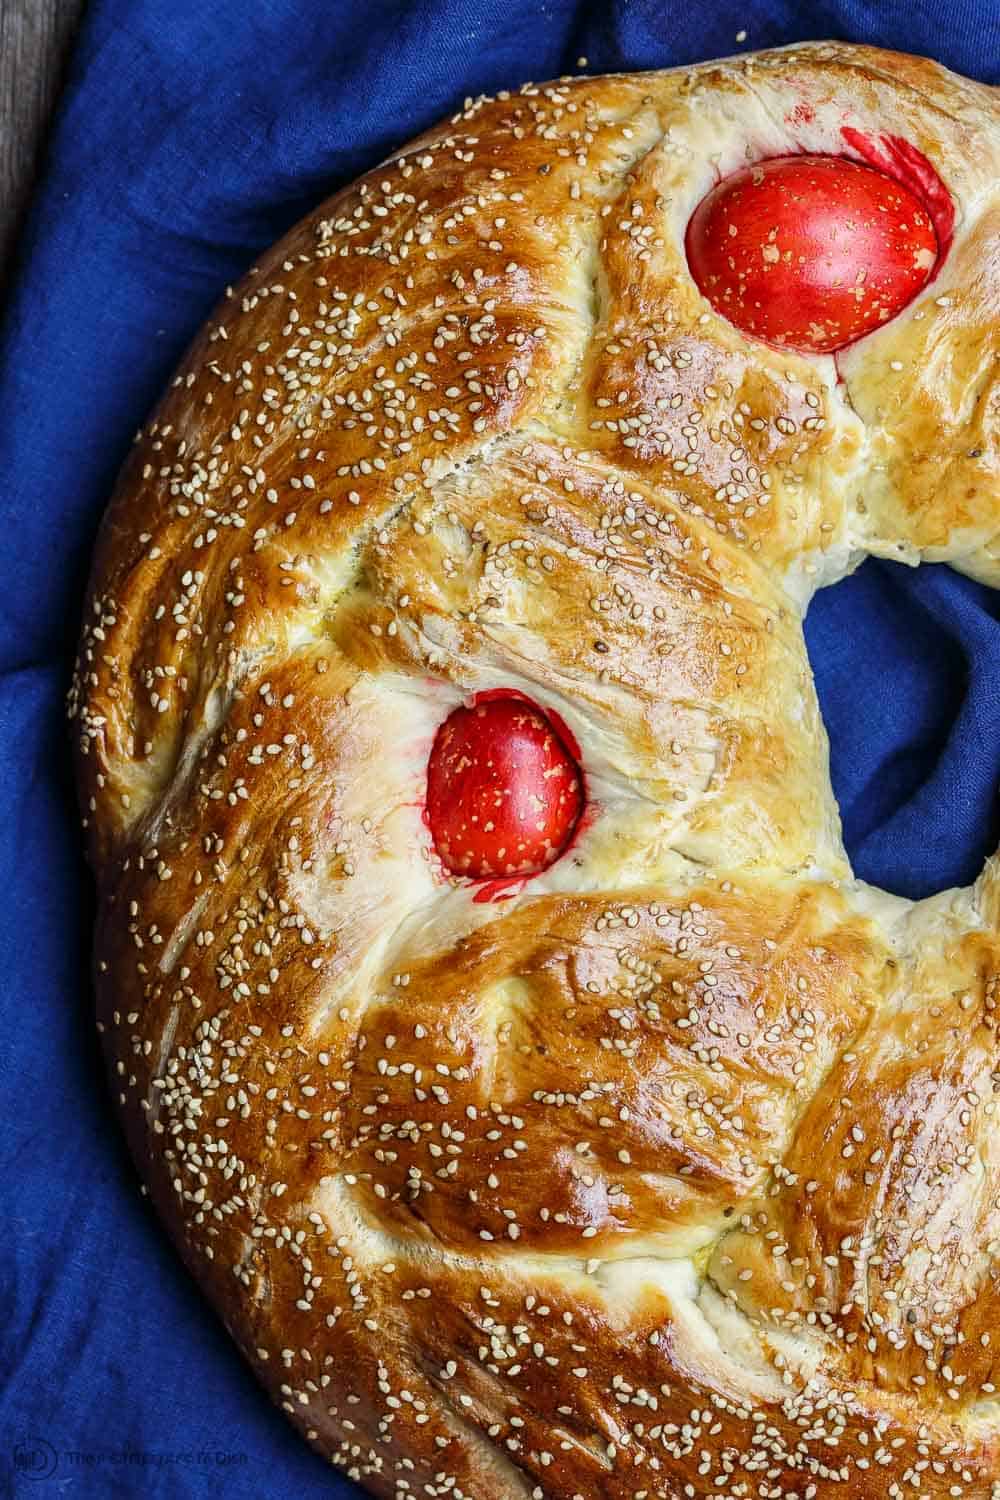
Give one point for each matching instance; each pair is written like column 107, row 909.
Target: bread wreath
column 672, row 1169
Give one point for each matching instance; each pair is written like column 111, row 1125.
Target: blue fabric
column 191, row 134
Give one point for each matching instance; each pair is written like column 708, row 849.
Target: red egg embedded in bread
column 810, row 252
column 504, row 792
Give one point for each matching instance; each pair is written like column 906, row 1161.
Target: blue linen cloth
column 191, row 134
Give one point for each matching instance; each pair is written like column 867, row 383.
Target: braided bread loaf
column 609, row 1140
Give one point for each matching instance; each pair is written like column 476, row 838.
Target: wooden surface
column 35, row 40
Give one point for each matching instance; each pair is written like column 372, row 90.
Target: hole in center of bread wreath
column 896, row 654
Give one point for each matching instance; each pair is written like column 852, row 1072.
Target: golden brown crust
column 675, row 1172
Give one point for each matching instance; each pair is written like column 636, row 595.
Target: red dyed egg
column 503, row 791
column 810, row 252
